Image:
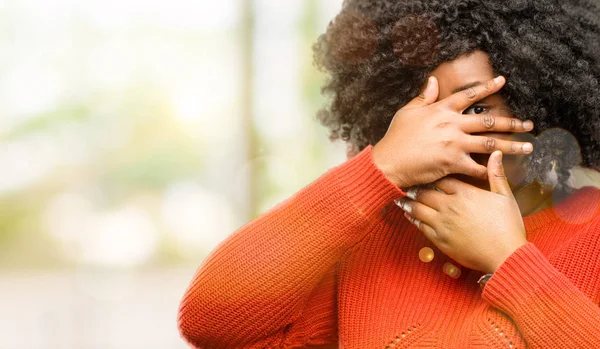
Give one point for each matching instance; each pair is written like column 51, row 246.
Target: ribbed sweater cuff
column 366, row 186
column 519, row 279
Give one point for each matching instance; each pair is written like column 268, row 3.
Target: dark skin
column 475, row 68
column 475, row 221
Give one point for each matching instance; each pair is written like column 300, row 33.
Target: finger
column 487, row 145
column 449, row 185
column 425, row 228
column 429, row 197
column 463, row 99
column 417, row 209
column 498, row 181
column 428, row 96
column 492, row 123
column 467, row 166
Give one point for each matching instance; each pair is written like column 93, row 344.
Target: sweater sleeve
column 548, row 309
column 256, row 289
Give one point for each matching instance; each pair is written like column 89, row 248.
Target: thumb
column 428, row 96
column 498, row 182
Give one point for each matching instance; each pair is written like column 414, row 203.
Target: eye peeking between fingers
column 477, row 109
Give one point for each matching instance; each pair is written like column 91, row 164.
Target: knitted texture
column 337, row 265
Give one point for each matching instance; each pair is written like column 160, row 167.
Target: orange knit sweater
column 337, row 265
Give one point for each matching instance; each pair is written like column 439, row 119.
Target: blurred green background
column 134, row 137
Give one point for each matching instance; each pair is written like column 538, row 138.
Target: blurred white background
column 134, row 137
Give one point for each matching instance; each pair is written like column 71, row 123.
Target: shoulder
column 579, row 211
column 589, row 208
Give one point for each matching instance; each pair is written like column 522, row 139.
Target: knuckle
column 445, row 171
column 440, row 182
column 446, row 163
column 415, row 210
column 427, row 229
column 447, row 142
column 433, row 233
column 442, row 237
column 470, row 93
column 489, row 121
column 488, row 85
column 489, row 143
column 424, row 194
column 446, row 181
column 499, row 175
column 453, row 208
column 442, row 124
column 513, row 124
column 513, row 148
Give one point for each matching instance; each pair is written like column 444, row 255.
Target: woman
column 422, row 238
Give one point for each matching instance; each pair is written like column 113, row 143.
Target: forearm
column 548, row 309
column 258, row 280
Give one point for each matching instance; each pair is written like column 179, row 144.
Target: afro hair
column 377, row 53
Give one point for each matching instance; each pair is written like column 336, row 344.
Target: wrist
column 502, row 258
column 383, row 164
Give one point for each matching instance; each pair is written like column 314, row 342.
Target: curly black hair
column 377, row 53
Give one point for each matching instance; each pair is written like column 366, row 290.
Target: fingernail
column 528, row 147
column 528, row 124
column 399, row 202
column 412, row 192
column 499, row 158
column 429, row 83
column 407, row 207
column 498, row 80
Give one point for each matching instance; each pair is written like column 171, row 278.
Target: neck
column 531, row 201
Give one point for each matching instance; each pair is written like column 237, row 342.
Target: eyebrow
column 467, row 86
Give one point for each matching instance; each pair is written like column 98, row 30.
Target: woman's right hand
column 428, row 140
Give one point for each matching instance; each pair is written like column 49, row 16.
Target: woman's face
column 467, row 71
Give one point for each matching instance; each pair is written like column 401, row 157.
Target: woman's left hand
column 477, row 228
